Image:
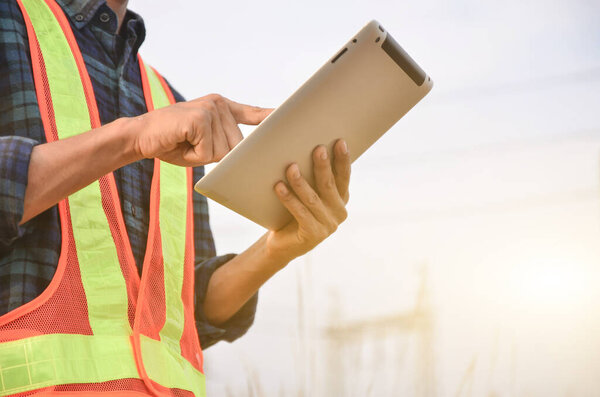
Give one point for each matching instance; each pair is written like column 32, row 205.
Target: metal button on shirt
column 104, row 17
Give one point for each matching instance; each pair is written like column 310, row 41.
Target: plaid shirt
column 29, row 253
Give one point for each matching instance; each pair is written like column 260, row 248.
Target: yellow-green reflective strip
column 172, row 371
column 101, row 275
column 172, row 210
column 68, row 97
column 55, row 359
column 58, row 359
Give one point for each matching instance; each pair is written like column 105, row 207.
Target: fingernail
column 281, row 188
column 295, row 171
column 344, row 147
column 323, row 153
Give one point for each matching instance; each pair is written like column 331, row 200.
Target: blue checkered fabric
column 29, row 253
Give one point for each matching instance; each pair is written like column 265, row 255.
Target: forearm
column 58, row 169
column 234, row 283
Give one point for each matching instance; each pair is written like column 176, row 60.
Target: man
column 36, row 175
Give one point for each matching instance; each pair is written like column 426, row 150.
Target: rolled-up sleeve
column 237, row 325
column 15, row 153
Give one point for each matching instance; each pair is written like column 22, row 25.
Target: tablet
column 358, row 95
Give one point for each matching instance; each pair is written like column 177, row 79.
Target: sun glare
column 554, row 283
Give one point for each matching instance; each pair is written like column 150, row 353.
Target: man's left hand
column 317, row 212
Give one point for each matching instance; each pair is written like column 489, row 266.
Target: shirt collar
column 80, row 12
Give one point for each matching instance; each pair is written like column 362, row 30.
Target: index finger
column 246, row 114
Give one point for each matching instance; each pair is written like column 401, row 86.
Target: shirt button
column 104, row 17
column 79, row 17
column 133, row 211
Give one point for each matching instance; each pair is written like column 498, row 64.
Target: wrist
column 127, row 131
column 275, row 258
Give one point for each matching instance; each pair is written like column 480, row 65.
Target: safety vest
column 99, row 328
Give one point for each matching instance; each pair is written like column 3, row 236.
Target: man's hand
column 317, row 212
column 187, row 133
column 194, row 133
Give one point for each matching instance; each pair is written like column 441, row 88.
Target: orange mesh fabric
column 151, row 311
column 64, row 298
column 190, row 344
column 110, row 200
column 111, row 206
column 135, row 385
column 62, row 307
column 152, row 289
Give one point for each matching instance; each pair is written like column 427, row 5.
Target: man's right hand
column 194, row 133
column 189, row 134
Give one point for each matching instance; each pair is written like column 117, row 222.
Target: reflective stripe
column 68, row 97
column 46, row 360
column 55, row 359
column 172, row 371
column 172, row 220
column 101, row 275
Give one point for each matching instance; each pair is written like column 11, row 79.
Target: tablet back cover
column 358, row 95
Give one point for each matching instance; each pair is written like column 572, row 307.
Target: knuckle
column 332, row 227
column 329, row 183
column 219, row 100
column 312, row 198
column 212, row 106
column 209, row 105
column 204, row 114
column 219, row 155
column 213, row 97
column 302, row 211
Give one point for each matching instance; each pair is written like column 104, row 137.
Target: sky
column 491, row 183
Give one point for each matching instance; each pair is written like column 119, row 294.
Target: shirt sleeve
column 20, row 122
column 206, row 264
column 237, row 325
column 15, row 152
